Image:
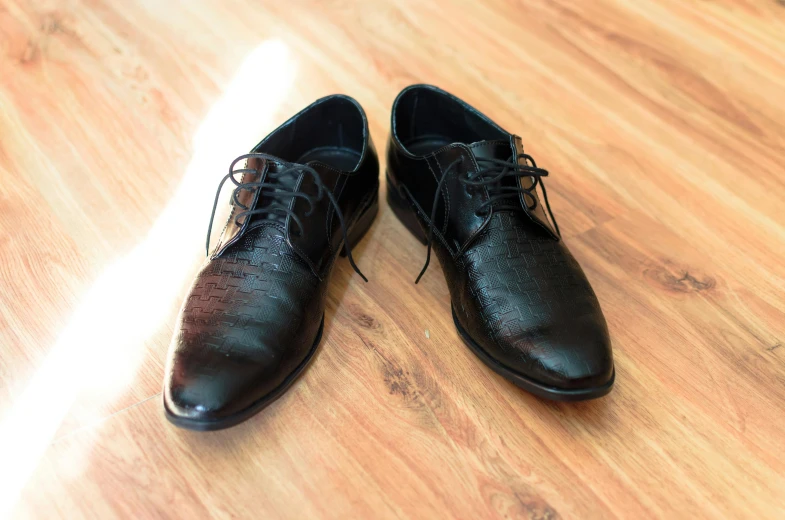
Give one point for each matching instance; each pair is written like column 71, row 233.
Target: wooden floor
column 663, row 126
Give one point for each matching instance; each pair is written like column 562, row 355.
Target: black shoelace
column 491, row 177
column 275, row 196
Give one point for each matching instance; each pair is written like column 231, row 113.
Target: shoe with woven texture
column 465, row 188
column 255, row 313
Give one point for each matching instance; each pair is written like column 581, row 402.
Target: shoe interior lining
column 344, row 159
column 331, row 132
column 428, row 119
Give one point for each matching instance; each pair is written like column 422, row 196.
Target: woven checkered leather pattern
column 527, row 292
column 258, row 285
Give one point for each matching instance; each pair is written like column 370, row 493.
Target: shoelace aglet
column 427, row 257
column 354, row 266
column 424, row 268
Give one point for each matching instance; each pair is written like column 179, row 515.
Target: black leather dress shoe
column 254, row 315
column 520, row 301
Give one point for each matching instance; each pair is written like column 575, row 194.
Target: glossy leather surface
column 253, row 316
column 516, row 289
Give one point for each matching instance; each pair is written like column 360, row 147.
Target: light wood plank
column 662, row 126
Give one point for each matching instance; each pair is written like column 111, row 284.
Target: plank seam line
column 101, row 420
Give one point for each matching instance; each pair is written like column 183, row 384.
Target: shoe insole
column 427, row 144
column 344, row 159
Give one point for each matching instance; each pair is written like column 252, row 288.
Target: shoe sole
column 358, row 231
column 406, row 214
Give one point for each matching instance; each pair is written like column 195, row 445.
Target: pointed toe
column 213, row 394
column 573, row 356
column 570, row 361
column 203, row 398
column 208, row 389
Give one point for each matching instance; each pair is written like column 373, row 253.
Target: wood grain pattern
column 663, row 127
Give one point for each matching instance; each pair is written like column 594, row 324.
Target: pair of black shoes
column 309, row 191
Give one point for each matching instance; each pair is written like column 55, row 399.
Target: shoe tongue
column 499, row 150
column 267, row 198
column 491, row 150
column 285, row 182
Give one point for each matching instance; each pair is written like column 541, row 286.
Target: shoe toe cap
column 205, row 386
column 211, row 392
column 566, row 355
column 574, row 362
column 573, row 355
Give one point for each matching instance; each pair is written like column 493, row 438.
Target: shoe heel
column 362, row 225
column 403, row 210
